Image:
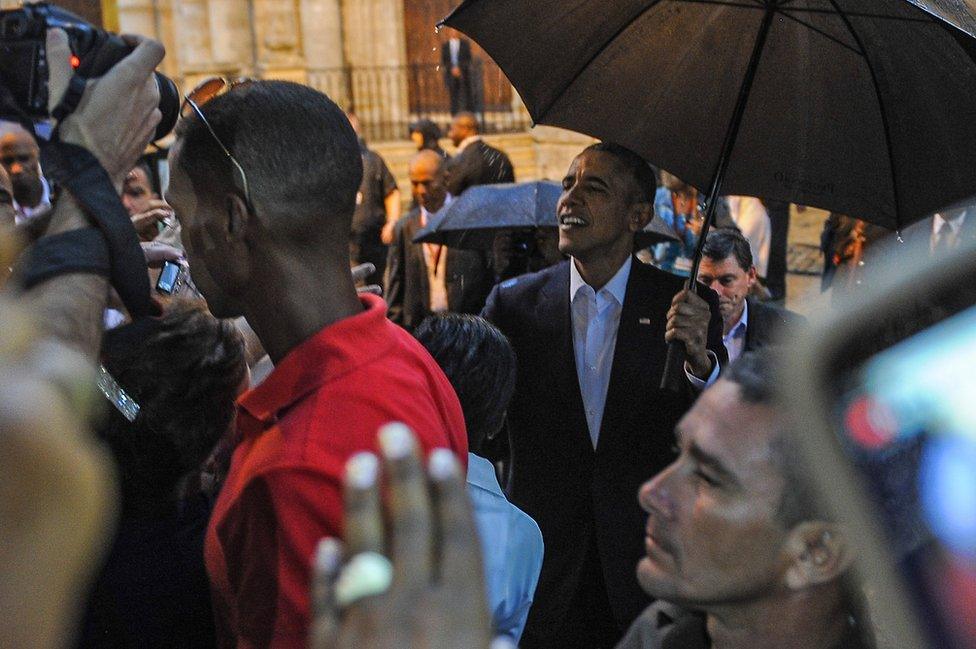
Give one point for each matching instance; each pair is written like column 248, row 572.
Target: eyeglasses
column 199, row 96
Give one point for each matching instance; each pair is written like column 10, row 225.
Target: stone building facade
column 356, row 51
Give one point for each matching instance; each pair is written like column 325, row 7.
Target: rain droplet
column 438, row 69
column 437, row 29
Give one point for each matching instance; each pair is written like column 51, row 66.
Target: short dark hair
column 184, row 370
column 642, row 173
column 755, row 374
column 300, row 154
column 722, row 243
column 479, row 362
column 430, row 131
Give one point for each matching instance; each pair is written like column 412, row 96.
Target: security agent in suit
column 476, row 162
column 727, row 268
column 425, row 278
column 456, row 65
column 945, row 230
column 589, row 423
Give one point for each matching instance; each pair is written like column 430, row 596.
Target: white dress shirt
column 466, row 141
column 735, row 340
column 455, row 46
column 952, row 220
column 751, row 217
column 596, row 318
column 435, row 258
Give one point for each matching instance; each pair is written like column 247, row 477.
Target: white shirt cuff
column 697, row 382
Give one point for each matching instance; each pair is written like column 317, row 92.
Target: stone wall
column 308, row 41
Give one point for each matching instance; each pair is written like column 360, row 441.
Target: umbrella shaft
column 730, row 137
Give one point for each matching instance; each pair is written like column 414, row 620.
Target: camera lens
column 169, row 105
column 13, row 26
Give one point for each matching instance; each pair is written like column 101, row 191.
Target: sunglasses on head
column 199, row 96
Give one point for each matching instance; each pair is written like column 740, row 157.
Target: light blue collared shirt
column 735, row 340
column 512, row 549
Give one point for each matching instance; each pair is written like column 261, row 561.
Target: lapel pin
column 644, row 321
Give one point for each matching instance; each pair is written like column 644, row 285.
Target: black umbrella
column 472, row 219
column 864, row 107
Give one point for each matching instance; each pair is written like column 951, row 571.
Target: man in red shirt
column 263, row 180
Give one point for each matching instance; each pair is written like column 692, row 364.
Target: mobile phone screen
column 168, row 277
column 907, row 419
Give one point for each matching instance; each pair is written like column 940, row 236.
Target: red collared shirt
column 322, row 403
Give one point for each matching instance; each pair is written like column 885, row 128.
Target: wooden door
column 427, row 91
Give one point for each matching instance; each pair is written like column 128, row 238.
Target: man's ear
column 817, row 552
column 752, row 275
column 237, row 215
column 640, row 215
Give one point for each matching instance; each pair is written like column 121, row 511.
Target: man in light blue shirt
column 480, row 363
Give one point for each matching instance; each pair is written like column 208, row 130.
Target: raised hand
column 430, row 592
column 118, row 112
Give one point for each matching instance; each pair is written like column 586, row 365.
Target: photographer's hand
column 118, row 112
column 145, row 222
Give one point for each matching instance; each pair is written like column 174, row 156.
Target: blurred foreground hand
column 56, row 492
column 426, row 590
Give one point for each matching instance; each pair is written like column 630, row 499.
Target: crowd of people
column 333, row 436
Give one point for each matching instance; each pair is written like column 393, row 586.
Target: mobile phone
column 169, row 279
column 884, row 394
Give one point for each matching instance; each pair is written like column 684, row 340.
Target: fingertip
column 328, row 556
column 442, row 465
column 396, row 440
column 362, row 470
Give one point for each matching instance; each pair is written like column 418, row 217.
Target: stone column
column 153, row 18
column 322, row 41
column 231, row 38
column 278, row 40
column 376, row 50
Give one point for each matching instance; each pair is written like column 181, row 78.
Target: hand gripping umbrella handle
column 673, row 378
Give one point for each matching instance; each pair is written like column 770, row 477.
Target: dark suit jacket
column 407, row 288
column 766, row 323
column 478, row 164
column 464, row 59
column 920, row 232
column 575, row 493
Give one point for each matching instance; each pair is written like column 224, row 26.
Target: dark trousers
column 459, row 88
column 366, row 247
column 589, row 623
column 779, row 221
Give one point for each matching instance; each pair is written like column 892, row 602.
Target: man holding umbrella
column 589, row 422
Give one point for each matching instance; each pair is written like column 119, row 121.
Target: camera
column 24, row 66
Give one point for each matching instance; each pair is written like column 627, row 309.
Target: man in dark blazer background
column 476, row 162
column 728, row 269
column 946, row 229
column 424, row 278
column 589, row 423
column 456, row 67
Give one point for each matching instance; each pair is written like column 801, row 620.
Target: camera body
column 24, row 67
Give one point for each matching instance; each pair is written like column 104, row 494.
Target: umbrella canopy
column 864, row 107
column 472, row 219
